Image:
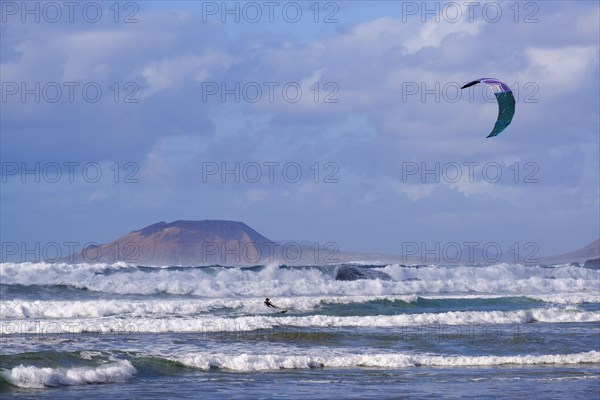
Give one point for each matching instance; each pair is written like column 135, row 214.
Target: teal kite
column 506, row 103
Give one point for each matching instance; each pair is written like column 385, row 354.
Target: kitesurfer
column 269, row 304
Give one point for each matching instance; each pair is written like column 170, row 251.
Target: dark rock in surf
column 353, row 273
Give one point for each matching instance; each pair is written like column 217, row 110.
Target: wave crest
column 35, row 377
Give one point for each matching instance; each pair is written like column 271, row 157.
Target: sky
column 332, row 121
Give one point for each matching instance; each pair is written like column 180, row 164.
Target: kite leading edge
column 506, row 103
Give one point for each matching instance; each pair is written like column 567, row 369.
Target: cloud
column 91, row 55
column 561, row 69
column 383, row 34
column 173, row 72
column 415, row 192
column 432, row 34
column 256, row 195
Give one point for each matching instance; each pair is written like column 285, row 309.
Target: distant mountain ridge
column 591, row 251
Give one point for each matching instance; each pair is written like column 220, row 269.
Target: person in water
column 269, row 304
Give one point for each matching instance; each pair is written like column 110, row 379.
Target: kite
column 506, row 102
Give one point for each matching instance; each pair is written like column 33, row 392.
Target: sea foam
column 35, row 377
column 277, row 281
column 212, row 324
column 262, row 362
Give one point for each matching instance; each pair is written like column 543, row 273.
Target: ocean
column 125, row 331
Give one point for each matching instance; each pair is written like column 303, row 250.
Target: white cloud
column 91, row 55
column 386, row 33
column 251, row 196
column 172, row 72
column 432, row 34
column 415, row 192
column 472, row 188
column 560, row 69
column 468, row 188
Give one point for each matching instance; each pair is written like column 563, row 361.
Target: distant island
column 222, row 242
column 205, row 242
column 185, row 243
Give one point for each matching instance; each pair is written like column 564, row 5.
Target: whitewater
column 164, row 331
